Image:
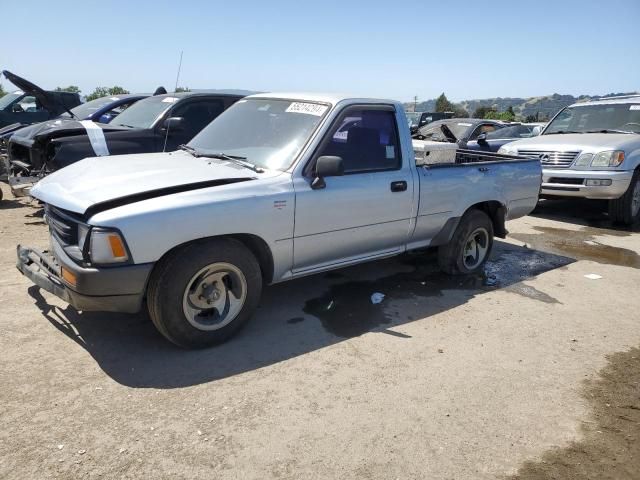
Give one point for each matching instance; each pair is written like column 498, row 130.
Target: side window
column 198, row 114
column 26, row 104
column 366, row 139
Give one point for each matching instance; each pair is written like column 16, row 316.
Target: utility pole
column 415, row 103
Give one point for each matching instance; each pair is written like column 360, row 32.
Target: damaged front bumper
column 115, row 289
column 20, row 186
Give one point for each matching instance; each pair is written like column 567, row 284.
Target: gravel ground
column 530, row 371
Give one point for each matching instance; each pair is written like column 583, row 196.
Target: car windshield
column 85, row 110
column 413, row 118
column 8, row 99
column 268, row 133
column 624, row 117
column 143, row 114
column 514, row 131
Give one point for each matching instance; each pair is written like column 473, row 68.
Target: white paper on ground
column 377, row 298
column 593, row 276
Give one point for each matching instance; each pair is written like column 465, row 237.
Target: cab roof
column 332, row 98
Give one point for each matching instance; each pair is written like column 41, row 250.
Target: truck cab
column 591, row 150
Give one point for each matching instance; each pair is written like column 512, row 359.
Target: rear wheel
column 203, row 293
column 470, row 246
column 626, row 209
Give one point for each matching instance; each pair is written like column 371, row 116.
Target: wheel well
column 497, row 213
column 261, row 250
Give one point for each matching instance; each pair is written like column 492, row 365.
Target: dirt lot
column 530, row 371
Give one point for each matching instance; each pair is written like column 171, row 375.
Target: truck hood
column 100, row 183
column 53, row 129
column 29, row 88
column 584, row 142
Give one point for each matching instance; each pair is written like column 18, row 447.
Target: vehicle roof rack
column 620, row 97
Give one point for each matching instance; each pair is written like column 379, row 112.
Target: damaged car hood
column 123, row 179
column 55, row 128
column 29, row 88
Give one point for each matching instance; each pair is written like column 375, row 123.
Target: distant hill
column 546, row 107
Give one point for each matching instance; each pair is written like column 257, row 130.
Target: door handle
column 483, row 169
column 399, row 186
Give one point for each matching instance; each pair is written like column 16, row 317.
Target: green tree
column 443, row 104
column 182, row 89
column 2, row 92
column 481, row 112
column 70, row 88
column 104, row 91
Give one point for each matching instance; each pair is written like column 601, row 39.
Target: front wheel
column 469, row 248
column 203, row 293
column 626, row 209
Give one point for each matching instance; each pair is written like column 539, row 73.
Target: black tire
column 173, row 275
column 621, row 209
column 451, row 256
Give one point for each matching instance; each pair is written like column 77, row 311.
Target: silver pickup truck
column 279, row 186
column 591, row 150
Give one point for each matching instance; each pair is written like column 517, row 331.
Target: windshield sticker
column 307, row 108
column 170, row 100
column 464, row 124
column 634, row 107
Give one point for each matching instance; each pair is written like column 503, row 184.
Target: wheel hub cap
column 476, row 248
column 214, row 296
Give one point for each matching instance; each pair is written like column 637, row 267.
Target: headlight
column 608, row 159
column 107, row 246
column 507, row 150
column 584, row 160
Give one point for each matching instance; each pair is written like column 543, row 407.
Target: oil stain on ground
column 346, row 308
column 610, row 447
column 580, row 244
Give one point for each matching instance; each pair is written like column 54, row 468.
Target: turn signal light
column 68, row 276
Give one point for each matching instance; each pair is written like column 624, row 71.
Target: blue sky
column 393, row 48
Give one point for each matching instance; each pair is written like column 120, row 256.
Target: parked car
column 492, row 141
column 591, row 150
column 458, row 130
column 103, row 109
column 31, row 104
column 420, row 119
column 155, row 124
column 265, row 193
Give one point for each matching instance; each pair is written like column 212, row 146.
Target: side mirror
column 105, row 118
column 482, row 139
column 175, row 124
column 327, row 166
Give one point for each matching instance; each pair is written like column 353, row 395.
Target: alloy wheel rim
column 635, row 199
column 214, row 296
column 476, row 248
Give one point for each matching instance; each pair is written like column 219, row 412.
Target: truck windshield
column 8, row 99
column 268, row 133
column 84, row 110
column 144, row 113
column 622, row 117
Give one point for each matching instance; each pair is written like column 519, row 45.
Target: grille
column 551, row 159
column 63, row 225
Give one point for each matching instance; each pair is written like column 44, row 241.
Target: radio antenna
column 179, row 67
column 166, row 134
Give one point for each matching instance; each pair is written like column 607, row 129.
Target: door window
column 366, row 139
column 198, row 114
